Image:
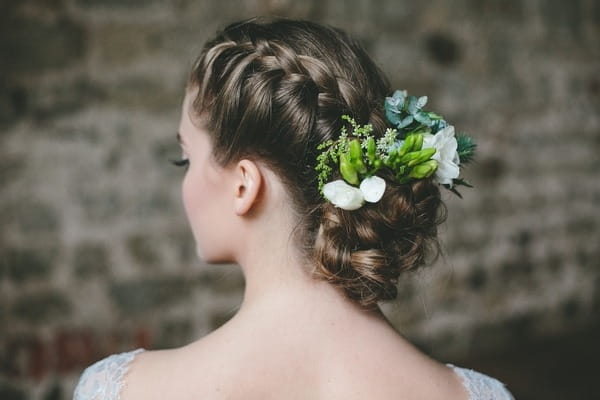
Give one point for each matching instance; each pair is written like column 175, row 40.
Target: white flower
column 349, row 197
column 446, row 155
column 372, row 188
column 343, row 195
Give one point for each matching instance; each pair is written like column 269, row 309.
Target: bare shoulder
column 400, row 374
column 217, row 368
column 177, row 373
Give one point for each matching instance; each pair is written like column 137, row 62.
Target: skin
column 293, row 337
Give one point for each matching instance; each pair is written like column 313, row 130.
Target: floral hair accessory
column 418, row 145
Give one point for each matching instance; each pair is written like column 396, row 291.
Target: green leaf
column 465, row 148
column 461, row 181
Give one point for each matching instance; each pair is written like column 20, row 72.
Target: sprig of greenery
column 386, row 141
column 323, row 167
column 466, row 148
column 358, row 154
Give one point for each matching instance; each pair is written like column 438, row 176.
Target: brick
column 144, row 93
column 154, row 203
column 41, row 307
column 21, row 264
column 218, row 318
column 506, row 11
column 442, row 48
column 477, row 278
column 30, row 216
column 13, row 103
column 490, row 170
column 116, row 3
column 31, row 45
column 175, row 333
column 73, row 349
column 12, row 167
column 143, row 249
column 222, row 281
column 166, row 149
column 91, row 259
column 58, row 99
column 563, row 16
column 185, row 246
column 99, row 205
column 121, row 44
column 148, row 295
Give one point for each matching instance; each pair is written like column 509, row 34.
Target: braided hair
column 273, row 90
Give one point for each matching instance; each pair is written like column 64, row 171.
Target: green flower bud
column 347, row 170
column 434, row 165
column 356, row 156
column 418, row 142
column 424, row 155
column 409, row 156
column 391, row 158
column 354, row 149
column 423, row 170
column 407, row 144
column 371, row 146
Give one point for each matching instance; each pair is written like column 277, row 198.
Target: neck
column 278, row 282
column 279, row 287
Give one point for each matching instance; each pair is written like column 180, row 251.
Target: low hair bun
column 364, row 251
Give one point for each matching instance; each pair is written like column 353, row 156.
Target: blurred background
column 95, row 253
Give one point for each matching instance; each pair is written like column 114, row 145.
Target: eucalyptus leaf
column 423, row 118
column 412, row 105
column 392, row 116
column 406, row 121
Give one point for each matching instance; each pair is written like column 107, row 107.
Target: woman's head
column 272, row 91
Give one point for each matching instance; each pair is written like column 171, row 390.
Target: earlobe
column 248, row 185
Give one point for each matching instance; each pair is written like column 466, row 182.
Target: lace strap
column 103, row 380
column 481, row 386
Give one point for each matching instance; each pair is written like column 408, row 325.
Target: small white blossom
column 349, row 197
column 446, row 155
column 372, row 188
column 343, row 195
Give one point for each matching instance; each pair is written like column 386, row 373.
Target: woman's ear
column 248, row 182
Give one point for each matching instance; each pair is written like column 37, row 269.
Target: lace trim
column 103, row 380
column 481, row 386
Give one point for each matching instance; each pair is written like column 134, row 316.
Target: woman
column 321, row 213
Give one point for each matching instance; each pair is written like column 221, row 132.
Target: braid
column 274, row 90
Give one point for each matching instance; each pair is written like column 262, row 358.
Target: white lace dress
column 104, row 380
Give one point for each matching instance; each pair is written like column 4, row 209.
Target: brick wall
column 95, row 253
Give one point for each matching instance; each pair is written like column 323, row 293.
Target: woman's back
column 272, row 365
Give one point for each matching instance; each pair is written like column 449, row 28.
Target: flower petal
column 446, row 171
column 446, row 155
column 428, row 140
column 372, row 188
column 343, row 195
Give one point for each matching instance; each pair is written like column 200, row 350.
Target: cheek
column 187, row 194
column 204, row 203
column 196, row 199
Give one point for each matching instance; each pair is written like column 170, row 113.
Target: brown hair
column 272, row 90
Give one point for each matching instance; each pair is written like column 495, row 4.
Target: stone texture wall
column 95, row 253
